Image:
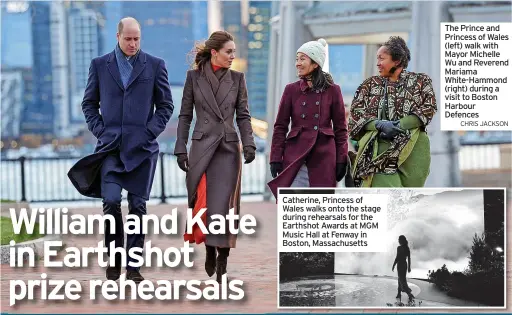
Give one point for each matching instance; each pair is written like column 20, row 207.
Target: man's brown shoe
column 113, row 272
column 134, row 275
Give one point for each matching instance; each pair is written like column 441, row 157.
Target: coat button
column 316, row 115
column 316, row 127
column 303, row 115
column 303, row 103
column 317, row 103
column 206, row 121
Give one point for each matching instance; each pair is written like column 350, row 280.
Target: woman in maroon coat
column 314, row 152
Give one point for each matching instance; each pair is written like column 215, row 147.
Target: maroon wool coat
column 318, row 135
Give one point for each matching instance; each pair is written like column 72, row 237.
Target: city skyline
column 47, row 100
column 87, row 30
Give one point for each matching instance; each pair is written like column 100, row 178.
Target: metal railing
column 45, row 179
column 485, row 156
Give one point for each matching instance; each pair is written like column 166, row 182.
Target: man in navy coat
column 131, row 89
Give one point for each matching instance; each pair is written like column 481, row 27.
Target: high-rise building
column 86, row 23
column 233, row 21
column 258, row 56
column 66, row 36
column 16, row 91
column 169, row 31
column 113, row 14
column 39, row 116
column 16, row 34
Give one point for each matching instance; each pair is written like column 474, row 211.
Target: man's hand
column 249, row 154
column 183, row 162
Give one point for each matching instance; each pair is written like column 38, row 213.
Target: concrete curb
column 5, row 206
column 37, row 245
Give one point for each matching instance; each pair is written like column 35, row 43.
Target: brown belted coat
column 215, row 147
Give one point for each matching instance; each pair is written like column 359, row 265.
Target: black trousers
column 111, row 193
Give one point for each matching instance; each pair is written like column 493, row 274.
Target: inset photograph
column 445, row 248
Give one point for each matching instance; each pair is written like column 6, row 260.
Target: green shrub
column 482, row 282
column 7, row 233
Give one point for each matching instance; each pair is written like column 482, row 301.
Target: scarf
column 125, row 66
column 411, row 94
column 305, row 79
column 214, row 77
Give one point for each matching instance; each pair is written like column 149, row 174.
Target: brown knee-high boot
column 222, row 262
column 210, row 262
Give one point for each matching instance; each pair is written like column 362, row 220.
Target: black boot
column 222, row 263
column 210, row 262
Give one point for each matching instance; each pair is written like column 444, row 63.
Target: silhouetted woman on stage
column 403, row 253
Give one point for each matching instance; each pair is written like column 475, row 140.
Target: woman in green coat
column 388, row 120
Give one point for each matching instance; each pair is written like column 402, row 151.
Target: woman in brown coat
column 314, row 152
column 213, row 164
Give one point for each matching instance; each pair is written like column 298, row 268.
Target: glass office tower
column 169, row 31
column 258, row 55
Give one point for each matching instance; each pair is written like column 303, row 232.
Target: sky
column 439, row 227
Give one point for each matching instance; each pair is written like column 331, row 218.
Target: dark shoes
column 113, row 272
column 222, row 263
column 216, row 263
column 210, row 262
column 134, row 275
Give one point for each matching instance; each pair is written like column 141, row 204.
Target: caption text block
column 332, row 223
column 475, row 69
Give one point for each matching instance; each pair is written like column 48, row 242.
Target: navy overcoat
column 124, row 120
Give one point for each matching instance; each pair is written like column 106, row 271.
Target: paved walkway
column 254, row 261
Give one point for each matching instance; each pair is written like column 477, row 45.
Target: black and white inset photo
column 445, row 248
